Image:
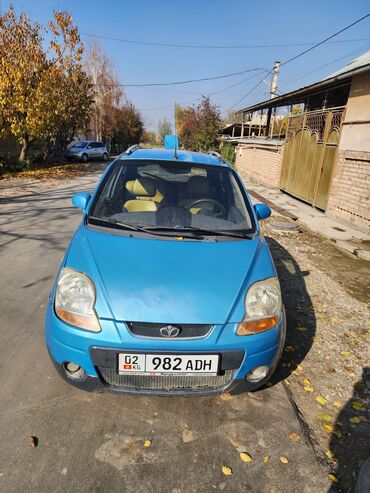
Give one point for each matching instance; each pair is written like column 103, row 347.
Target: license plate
column 164, row 364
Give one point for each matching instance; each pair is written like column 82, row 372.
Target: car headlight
column 262, row 307
column 75, row 300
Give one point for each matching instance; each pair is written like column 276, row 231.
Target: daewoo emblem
column 170, row 331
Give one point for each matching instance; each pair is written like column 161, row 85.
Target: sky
column 212, row 23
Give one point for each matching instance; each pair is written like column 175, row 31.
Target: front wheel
column 84, row 158
column 105, row 157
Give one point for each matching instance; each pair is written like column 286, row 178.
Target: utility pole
column 275, row 76
column 273, row 88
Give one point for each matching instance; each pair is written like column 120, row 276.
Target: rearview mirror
column 263, row 211
column 81, row 199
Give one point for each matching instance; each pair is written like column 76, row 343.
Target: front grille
column 170, row 383
column 153, row 330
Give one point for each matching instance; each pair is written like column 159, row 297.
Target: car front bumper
column 97, row 354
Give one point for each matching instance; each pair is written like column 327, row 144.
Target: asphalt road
column 94, row 442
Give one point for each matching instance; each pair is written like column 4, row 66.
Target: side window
column 99, row 145
column 90, row 146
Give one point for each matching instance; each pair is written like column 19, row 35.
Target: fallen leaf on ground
column 321, row 400
column 33, row 441
column 147, row 443
column 266, row 458
column 283, row 459
column 338, row 404
column 325, row 417
column 355, row 420
column 345, row 353
column 333, row 478
column 358, row 405
column 226, row 396
column 226, row 470
column 245, row 457
column 329, row 454
column 300, row 368
column 287, row 381
column 294, row 437
column 328, row 428
column 307, row 388
column 302, row 329
column 295, row 372
column 306, row 381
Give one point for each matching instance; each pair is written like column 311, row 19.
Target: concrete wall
column 349, row 199
column 355, row 134
column 261, row 163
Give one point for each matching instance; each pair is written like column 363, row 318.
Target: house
column 324, row 157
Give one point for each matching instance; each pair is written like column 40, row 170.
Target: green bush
column 228, row 153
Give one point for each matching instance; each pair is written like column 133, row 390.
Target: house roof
column 341, row 77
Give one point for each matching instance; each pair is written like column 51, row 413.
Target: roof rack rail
column 216, row 154
column 132, row 149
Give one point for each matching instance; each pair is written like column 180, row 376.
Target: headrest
column 141, row 187
column 198, row 186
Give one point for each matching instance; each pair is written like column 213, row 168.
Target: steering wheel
column 221, row 209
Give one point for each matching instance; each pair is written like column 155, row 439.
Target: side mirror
column 81, row 199
column 263, row 211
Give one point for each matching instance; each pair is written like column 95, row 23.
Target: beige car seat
column 147, row 196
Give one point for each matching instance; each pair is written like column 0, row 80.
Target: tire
column 84, row 158
column 105, row 157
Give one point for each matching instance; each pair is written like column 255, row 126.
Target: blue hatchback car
column 168, row 286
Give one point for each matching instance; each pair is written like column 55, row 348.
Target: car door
column 90, row 149
column 99, row 149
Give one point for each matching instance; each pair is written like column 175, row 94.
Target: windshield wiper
column 155, row 230
column 202, row 231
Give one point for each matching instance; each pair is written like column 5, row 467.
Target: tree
column 198, row 126
column 129, row 125
column 44, row 94
column 149, row 138
column 232, row 117
column 108, row 93
column 164, row 128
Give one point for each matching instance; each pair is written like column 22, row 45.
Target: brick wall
column 260, row 163
column 349, row 199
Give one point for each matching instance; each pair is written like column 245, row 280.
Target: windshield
column 172, row 196
column 80, row 144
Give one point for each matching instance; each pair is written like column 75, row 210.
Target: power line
column 176, row 83
column 209, row 94
column 354, row 52
column 211, row 47
column 303, row 53
column 325, row 40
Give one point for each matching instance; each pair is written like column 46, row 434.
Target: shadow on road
column 350, row 441
column 301, row 319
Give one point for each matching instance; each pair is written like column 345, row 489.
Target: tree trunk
column 24, row 150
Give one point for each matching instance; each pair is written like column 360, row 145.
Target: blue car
column 168, row 286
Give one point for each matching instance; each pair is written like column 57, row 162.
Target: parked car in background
column 168, row 286
column 86, row 150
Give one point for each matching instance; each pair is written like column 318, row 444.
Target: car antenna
column 176, row 140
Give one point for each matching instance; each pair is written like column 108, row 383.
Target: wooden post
column 268, row 122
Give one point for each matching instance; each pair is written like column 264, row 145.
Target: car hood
column 169, row 281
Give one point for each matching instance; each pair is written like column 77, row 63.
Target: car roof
column 182, row 156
